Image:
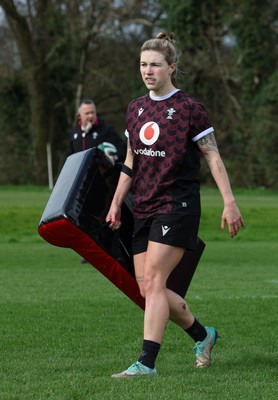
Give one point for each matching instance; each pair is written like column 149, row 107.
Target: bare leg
column 180, row 313
column 152, row 271
column 177, row 310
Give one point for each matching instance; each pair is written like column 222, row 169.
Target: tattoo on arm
column 208, row 147
column 208, row 143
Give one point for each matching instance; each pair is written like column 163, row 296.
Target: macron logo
column 165, row 229
column 140, row 111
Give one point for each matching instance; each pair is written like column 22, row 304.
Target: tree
column 60, row 45
column 33, row 51
column 207, row 64
column 68, row 49
column 231, row 56
column 257, row 66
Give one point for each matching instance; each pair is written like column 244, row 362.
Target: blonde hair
column 164, row 43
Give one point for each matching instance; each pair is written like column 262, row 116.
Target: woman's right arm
column 123, row 187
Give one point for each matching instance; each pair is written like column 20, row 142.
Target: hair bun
column 169, row 36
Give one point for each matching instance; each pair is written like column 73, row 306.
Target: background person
column 93, row 131
column 167, row 129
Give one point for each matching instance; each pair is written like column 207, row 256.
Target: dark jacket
column 99, row 133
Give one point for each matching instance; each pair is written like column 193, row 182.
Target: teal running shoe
column 203, row 349
column 136, row 370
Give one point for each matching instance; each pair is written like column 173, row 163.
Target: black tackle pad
column 83, row 194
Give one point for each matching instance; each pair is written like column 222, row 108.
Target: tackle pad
column 74, row 217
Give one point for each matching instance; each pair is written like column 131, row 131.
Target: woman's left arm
column 231, row 214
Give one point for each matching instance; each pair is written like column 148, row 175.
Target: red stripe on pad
column 63, row 233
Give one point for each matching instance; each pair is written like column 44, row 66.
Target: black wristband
column 126, row 170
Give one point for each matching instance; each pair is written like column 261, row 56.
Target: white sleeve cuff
column 202, row 134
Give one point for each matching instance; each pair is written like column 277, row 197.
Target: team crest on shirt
column 170, row 112
column 149, row 133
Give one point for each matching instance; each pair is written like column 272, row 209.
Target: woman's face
column 156, row 72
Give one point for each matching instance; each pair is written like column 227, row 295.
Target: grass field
column 65, row 328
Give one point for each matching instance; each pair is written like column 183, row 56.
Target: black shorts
column 172, row 229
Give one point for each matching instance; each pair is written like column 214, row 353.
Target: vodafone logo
column 149, row 133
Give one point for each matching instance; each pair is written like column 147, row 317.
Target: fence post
column 49, row 166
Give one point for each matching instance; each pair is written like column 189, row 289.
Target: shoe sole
column 119, row 376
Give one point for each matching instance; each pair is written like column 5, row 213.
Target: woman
column 167, row 129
